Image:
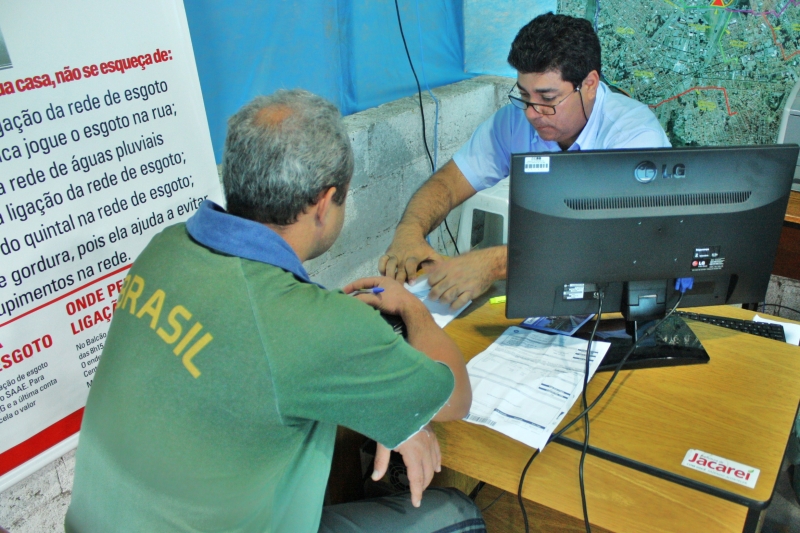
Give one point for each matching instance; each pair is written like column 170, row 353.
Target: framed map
column 715, row 72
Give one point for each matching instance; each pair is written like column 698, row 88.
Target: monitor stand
column 673, row 343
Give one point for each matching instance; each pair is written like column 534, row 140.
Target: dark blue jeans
column 443, row 510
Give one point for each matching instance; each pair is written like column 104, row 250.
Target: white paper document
column 442, row 314
column 526, row 381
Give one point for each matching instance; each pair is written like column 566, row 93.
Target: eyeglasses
column 542, row 109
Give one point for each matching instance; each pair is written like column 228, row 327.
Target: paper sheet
column 526, row 382
column 790, row 331
column 441, row 312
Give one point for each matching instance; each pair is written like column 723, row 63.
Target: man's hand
column 446, row 189
column 403, row 257
column 394, row 300
column 464, row 278
column 422, row 458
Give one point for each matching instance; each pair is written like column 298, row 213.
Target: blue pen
column 373, row 290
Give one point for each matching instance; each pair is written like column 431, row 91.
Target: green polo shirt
column 215, row 403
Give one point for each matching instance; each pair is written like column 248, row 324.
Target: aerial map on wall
column 713, row 71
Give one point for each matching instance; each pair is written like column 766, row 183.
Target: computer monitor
column 628, row 223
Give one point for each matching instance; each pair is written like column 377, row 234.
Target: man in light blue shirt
column 558, row 103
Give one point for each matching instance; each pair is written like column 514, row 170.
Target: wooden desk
column 793, row 209
column 741, row 406
column 787, row 259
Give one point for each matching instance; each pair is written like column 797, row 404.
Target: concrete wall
column 784, row 295
column 390, row 165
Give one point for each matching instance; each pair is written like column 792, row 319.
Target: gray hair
column 272, row 171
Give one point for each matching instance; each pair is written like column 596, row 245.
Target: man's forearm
column 429, row 206
column 426, row 336
column 495, row 260
column 426, row 210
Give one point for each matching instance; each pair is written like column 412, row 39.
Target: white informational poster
column 103, row 143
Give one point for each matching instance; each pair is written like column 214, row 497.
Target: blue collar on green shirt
column 214, row 228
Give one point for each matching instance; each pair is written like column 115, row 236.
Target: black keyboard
column 762, row 329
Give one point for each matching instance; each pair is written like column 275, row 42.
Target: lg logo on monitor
column 647, row 171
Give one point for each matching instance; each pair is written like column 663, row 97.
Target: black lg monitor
column 626, row 224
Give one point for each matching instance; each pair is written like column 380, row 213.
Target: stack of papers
column 525, row 382
column 442, row 314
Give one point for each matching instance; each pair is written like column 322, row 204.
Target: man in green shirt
column 226, row 370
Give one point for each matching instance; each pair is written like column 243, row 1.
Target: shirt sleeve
column 349, row 368
column 485, row 158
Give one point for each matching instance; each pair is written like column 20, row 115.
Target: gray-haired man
column 227, row 371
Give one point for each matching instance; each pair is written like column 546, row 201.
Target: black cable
column 580, row 474
column 419, row 88
column 585, row 118
column 451, row 234
column 779, row 306
column 586, row 418
column 422, row 112
column 494, row 501
column 519, row 490
column 478, row 488
column 583, row 395
column 617, row 370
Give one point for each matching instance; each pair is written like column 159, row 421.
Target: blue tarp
column 489, row 28
column 349, row 51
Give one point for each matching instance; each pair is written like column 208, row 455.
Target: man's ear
column 590, row 84
column 324, row 203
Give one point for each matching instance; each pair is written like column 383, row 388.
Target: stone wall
column 783, row 298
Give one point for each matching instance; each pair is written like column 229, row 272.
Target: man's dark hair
column 273, row 171
column 556, row 42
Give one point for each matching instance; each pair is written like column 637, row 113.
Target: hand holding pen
column 384, row 294
column 373, row 290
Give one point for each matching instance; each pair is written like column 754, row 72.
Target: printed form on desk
column 525, row 382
